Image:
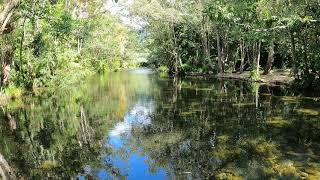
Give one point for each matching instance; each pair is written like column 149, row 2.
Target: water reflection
column 229, row 130
column 138, row 117
column 131, row 163
column 135, row 125
column 59, row 134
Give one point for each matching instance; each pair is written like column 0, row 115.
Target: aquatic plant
column 307, row 111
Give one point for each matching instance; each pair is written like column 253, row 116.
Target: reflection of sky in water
column 137, row 117
column 134, row 165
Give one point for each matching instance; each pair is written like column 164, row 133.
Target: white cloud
column 120, row 9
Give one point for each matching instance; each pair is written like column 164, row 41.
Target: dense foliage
column 187, row 128
column 220, row 36
column 48, row 42
column 45, row 43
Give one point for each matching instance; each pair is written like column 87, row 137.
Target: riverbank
column 277, row 77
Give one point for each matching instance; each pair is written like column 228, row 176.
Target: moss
column 223, row 138
column 267, row 150
column 304, row 175
column 306, row 111
column 49, row 164
column 287, row 170
column 289, row 98
column 199, row 110
column 243, row 104
column 269, row 171
column 188, row 113
column 224, row 153
column 274, row 167
column 277, row 121
column 228, row 175
column 313, row 171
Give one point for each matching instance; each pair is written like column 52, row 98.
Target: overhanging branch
column 7, row 12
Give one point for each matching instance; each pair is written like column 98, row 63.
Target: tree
column 6, row 14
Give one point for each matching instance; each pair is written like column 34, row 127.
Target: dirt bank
column 275, row 77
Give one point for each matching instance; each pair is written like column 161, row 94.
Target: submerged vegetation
column 182, row 128
column 238, row 135
column 228, row 131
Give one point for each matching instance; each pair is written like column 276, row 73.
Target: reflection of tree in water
column 201, row 131
column 60, row 134
column 46, row 144
column 198, row 129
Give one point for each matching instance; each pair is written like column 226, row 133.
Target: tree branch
column 7, row 12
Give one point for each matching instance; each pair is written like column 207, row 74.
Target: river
column 137, row 124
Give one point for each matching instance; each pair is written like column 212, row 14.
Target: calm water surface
column 137, row 125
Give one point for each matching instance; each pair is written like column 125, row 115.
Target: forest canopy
column 224, row 36
column 57, row 42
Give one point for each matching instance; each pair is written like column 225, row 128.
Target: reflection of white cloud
column 138, row 117
column 120, row 128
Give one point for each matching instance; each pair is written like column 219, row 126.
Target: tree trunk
column 176, row 56
column 225, row 50
column 79, row 45
column 242, row 55
column 21, row 46
column 220, row 53
column 305, row 53
column 293, row 52
column 268, row 67
column 6, row 14
column 258, row 56
column 6, row 64
column 205, row 40
column 5, row 28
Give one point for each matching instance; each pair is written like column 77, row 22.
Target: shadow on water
column 136, row 125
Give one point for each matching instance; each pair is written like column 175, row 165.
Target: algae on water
column 306, row 111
